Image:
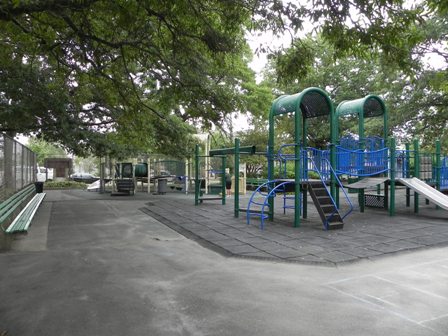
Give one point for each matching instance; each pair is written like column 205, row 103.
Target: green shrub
column 64, row 185
column 313, row 175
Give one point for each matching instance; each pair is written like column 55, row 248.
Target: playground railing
column 283, row 159
column 361, row 163
column 314, row 158
column 404, row 163
column 374, row 143
column 260, row 198
column 444, row 173
column 410, row 163
column 370, row 143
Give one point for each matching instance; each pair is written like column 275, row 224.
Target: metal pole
column 197, row 183
column 102, row 184
column 148, row 161
column 392, row 176
column 407, row 175
column 270, row 153
column 223, row 179
column 334, row 134
column 297, row 179
column 304, row 191
column 416, row 171
column 438, row 164
column 187, row 176
column 237, row 178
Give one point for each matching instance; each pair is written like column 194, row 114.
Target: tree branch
column 12, row 9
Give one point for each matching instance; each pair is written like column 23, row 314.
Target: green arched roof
column 312, row 102
column 370, row 106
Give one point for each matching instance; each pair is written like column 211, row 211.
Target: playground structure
column 203, row 172
column 152, row 173
column 369, row 162
column 310, row 103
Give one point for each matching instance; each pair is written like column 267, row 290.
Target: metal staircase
column 325, row 206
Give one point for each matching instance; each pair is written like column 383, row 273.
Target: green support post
column 297, row 179
column 408, row 168
column 438, row 164
column 197, row 183
column 416, row 171
column 304, row 191
column 270, row 154
column 237, row 178
column 361, row 192
column 223, row 180
column 361, row 196
column 393, row 162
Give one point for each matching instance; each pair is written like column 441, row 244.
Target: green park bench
column 17, row 211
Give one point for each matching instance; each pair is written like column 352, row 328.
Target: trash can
column 162, row 186
column 39, row 187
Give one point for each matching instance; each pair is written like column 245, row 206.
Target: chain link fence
column 17, row 166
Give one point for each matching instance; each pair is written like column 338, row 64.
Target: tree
column 115, row 76
column 80, row 72
column 44, row 149
column 87, row 165
column 256, row 165
column 416, row 102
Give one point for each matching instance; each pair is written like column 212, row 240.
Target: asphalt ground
column 93, row 264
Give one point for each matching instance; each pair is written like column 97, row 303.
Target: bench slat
column 10, row 201
column 36, row 206
column 7, row 211
column 23, row 219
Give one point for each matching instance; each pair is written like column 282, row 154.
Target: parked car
column 83, row 177
column 166, row 174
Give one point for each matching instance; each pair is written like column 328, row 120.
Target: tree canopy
column 44, row 150
column 114, row 77
column 91, row 73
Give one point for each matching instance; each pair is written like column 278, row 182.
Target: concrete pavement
column 104, row 267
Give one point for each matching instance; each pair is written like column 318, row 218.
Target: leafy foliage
column 44, row 149
column 48, row 185
column 256, row 165
column 120, row 77
column 417, row 103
